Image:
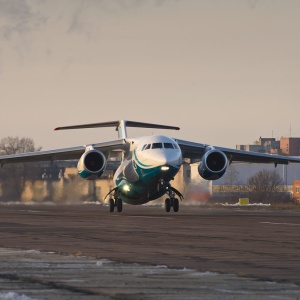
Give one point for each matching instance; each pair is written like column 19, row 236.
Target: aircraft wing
column 195, row 151
column 61, row 154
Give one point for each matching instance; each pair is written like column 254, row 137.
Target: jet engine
column 213, row 164
column 91, row 164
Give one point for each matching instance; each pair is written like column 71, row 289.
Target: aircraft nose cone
column 168, row 158
column 161, row 159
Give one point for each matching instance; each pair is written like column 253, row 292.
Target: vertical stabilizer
column 122, row 131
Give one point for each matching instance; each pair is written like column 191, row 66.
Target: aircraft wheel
column 167, row 205
column 119, row 205
column 111, row 205
column 175, row 205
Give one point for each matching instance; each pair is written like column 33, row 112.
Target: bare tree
column 265, row 185
column 14, row 145
column 13, row 176
column 232, row 183
column 231, row 176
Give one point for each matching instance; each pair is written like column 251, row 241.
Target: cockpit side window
column 147, row 147
column 168, row 146
column 157, row 145
column 144, row 147
column 176, row 146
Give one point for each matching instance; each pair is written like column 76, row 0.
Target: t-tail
column 121, row 126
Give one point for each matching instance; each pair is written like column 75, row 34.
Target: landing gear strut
column 117, row 202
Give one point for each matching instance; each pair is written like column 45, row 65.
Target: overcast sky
column 226, row 72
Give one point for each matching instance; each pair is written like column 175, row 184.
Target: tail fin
column 120, row 126
column 122, row 131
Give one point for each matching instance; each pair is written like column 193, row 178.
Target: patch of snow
column 13, row 296
column 241, row 205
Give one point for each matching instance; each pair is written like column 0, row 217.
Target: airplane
column 148, row 163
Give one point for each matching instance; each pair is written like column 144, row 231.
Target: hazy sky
column 225, row 71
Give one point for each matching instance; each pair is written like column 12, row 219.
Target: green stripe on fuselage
column 138, row 161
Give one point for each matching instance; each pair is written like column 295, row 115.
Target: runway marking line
column 149, row 217
column 33, row 211
column 273, row 223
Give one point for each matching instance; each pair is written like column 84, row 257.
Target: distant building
column 290, row 146
column 286, row 146
column 288, row 173
column 263, row 145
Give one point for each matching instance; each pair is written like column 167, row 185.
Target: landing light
column 126, row 188
column 165, row 168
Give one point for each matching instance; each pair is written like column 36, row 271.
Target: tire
column 111, row 205
column 119, row 205
column 175, row 205
column 167, row 205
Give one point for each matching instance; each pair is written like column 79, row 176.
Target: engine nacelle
column 213, row 164
column 91, row 164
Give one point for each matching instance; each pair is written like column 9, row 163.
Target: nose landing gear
column 115, row 201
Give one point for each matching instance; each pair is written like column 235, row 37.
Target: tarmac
column 202, row 252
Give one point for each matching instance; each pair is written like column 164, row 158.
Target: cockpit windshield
column 157, row 145
column 168, row 145
column 160, row 146
column 176, row 146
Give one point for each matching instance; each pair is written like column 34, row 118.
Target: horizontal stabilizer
column 93, row 125
column 149, row 125
column 117, row 123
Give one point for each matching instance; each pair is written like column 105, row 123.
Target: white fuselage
column 149, row 161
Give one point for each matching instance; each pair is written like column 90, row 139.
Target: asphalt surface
column 256, row 246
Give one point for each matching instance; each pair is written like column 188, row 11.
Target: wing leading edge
column 62, row 154
column 195, row 151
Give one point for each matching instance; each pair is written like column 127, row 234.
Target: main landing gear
column 172, row 202
column 117, row 202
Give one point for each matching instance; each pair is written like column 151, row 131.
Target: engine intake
column 91, row 164
column 213, row 164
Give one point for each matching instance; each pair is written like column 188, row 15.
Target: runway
column 257, row 246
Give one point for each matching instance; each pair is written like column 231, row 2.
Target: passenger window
column 168, row 146
column 157, row 146
column 147, row 147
